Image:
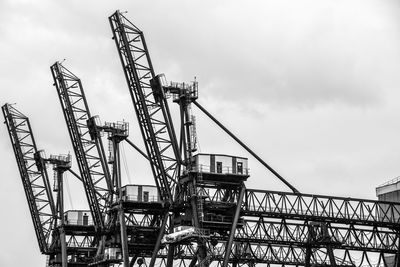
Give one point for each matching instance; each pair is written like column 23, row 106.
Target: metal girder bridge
column 280, row 227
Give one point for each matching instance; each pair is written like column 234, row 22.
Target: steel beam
column 233, row 229
column 246, row 147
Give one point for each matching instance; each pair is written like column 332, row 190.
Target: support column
column 121, row 214
column 193, row 261
column 64, row 262
column 308, row 256
column 124, row 237
column 397, row 257
column 132, row 262
column 202, row 250
column 171, row 247
column 64, row 259
column 158, row 242
column 233, row 228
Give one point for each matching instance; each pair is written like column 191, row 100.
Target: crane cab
column 218, row 179
column 144, row 197
column 77, row 222
column 221, row 169
column 141, row 201
column 78, row 217
column 140, row 193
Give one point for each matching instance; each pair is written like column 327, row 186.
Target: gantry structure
column 199, row 213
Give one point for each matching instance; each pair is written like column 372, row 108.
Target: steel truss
column 322, row 208
column 360, row 229
column 247, row 254
column 281, row 242
column 150, row 105
column 88, row 149
column 278, row 204
column 242, row 227
column 251, row 253
column 350, row 237
column 35, row 182
column 79, row 241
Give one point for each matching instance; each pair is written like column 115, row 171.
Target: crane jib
column 151, row 109
column 35, row 181
column 89, row 153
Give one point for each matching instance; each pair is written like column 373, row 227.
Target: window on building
column 219, row 167
column 240, row 167
column 145, row 196
column 85, row 219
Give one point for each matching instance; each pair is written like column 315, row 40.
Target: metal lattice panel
column 36, row 183
column 152, row 112
column 89, row 153
column 322, row 208
column 350, row 237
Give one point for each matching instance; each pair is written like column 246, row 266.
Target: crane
column 85, row 133
column 103, row 187
column 206, row 215
column 152, row 111
column 35, row 182
column 148, row 92
column 150, row 106
column 89, row 153
column 56, row 238
column 149, row 98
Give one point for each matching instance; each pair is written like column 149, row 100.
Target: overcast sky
column 311, row 86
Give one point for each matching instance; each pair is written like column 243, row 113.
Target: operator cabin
column 222, row 164
column 220, row 168
column 214, row 167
